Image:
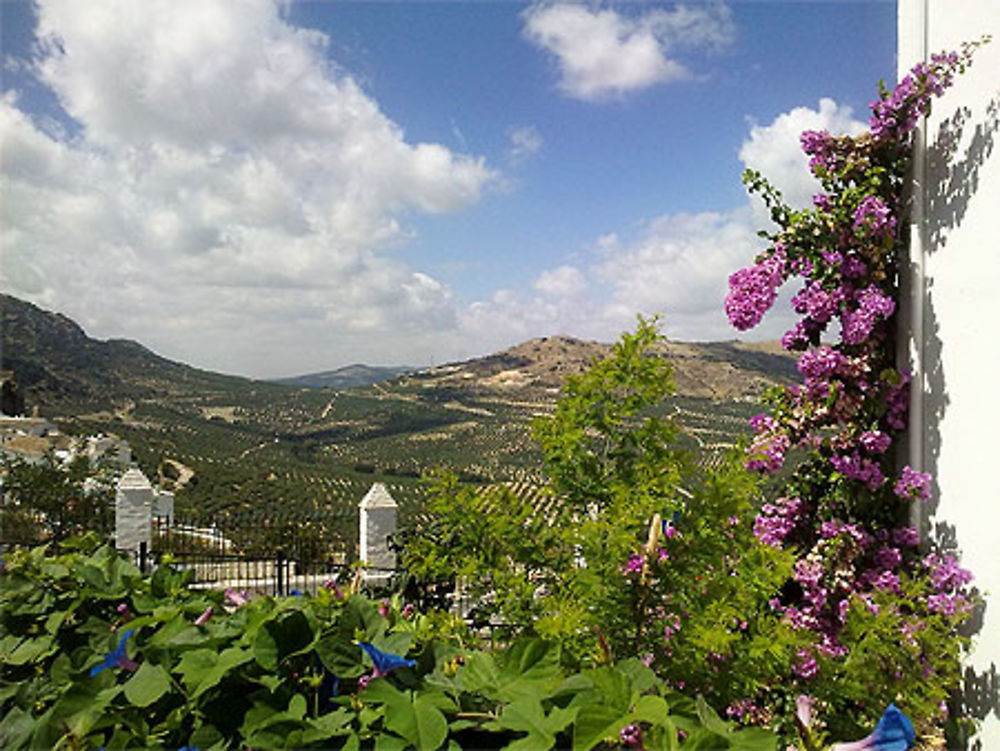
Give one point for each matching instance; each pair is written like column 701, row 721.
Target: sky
column 275, row 187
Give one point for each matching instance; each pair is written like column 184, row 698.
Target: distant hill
column 713, row 370
column 248, row 446
column 347, row 377
column 60, row 368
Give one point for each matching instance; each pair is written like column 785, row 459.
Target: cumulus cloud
column 222, row 169
column 674, row 264
column 562, row 282
column 774, row 149
column 604, row 54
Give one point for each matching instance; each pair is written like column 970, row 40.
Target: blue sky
column 272, row 188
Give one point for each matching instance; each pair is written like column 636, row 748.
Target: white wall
column 956, row 342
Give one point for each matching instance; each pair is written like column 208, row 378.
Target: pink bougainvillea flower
column 202, row 619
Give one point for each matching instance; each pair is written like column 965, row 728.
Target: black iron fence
column 296, row 565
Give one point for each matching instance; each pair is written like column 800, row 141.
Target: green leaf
column 340, row 655
column 205, row 737
column 227, row 660
column 651, row 709
column 530, row 667
column 709, row 718
column 31, row 650
column 94, row 577
column 754, row 739
column 414, row 717
column 424, row 726
column 480, row 673
column 526, row 715
column 297, row 706
column 389, row 742
column 194, row 665
column 16, row 729
column 594, row 723
column 87, row 709
column 327, row 726
column 279, row 638
column 615, row 688
column 703, row 739
column 381, row 690
column 149, row 683
column 641, row 675
column 174, row 633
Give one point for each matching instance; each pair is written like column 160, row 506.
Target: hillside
column 250, row 446
column 715, row 370
column 347, row 377
column 62, row 370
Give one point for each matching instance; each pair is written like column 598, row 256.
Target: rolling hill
column 249, row 447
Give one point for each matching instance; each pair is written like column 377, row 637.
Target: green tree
column 46, row 500
column 641, row 549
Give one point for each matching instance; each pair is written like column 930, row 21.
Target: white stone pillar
column 378, row 521
column 133, row 511
column 163, row 506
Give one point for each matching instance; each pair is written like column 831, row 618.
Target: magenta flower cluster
column 874, row 217
column 913, row 485
column 777, row 520
column 843, row 511
column 894, row 116
column 752, row 292
column 767, row 450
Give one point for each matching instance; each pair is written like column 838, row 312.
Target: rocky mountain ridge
column 59, row 367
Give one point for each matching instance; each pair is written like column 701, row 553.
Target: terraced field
column 238, row 451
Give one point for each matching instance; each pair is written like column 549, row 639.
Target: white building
column 953, row 314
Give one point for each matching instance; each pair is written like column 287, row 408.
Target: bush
column 97, row 655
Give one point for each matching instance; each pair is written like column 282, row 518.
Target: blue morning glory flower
column 894, row 732
column 384, row 662
column 117, row 658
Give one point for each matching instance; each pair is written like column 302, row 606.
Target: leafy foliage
column 194, row 668
column 44, row 500
column 644, row 551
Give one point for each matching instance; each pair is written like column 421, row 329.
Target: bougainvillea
column 845, row 508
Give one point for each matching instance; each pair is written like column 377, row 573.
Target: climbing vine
column 884, row 610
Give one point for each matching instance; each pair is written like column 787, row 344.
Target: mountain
column 347, row 377
column 708, row 370
column 245, row 445
column 59, row 368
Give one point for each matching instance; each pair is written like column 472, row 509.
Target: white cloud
column 603, row 54
column 223, row 171
column 524, row 141
column 675, row 264
column 774, row 149
column 561, row 282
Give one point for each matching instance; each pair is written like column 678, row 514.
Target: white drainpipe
column 916, row 282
